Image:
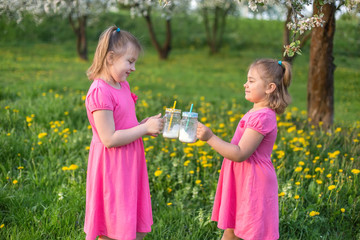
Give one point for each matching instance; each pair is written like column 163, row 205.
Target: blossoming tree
column 144, row 8
column 217, row 11
column 76, row 11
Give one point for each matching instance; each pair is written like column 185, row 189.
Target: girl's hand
column 154, row 125
column 144, row 120
column 203, row 132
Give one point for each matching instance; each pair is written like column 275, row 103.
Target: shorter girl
column 118, row 202
column 246, row 200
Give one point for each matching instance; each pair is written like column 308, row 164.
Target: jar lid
column 190, row 114
column 172, row 110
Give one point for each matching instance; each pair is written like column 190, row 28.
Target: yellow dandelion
column 291, row 129
column 15, row 182
column 158, row 173
column 313, row 213
column 41, row 135
column 307, row 176
column 342, row 210
column 169, row 204
column 191, row 172
column 65, row 168
column 186, row 163
column 169, row 190
column 28, row 119
column 319, row 181
column 296, row 197
column 297, row 183
column 73, row 167
column 301, row 163
column 298, row 169
column 331, row 187
column 355, row 171
column 281, row 194
column 198, row 181
column 173, row 154
column 2, row 225
column 20, row 167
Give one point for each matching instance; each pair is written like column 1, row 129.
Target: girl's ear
column 110, row 57
column 270, row 88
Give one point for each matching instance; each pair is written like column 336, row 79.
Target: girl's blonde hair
column 115, row 40
column 278, row 72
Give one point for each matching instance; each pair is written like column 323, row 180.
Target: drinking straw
column 187, row 122
column 172, row 114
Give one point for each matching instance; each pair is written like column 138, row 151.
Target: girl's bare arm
column 104, row 122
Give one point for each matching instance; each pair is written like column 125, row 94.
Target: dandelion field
column 45, row 138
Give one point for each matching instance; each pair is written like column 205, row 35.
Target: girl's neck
column 258, row 106
column 111, row 82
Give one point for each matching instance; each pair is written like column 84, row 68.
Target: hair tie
column 280, row 63
column 118, row 29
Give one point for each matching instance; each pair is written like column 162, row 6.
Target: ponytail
column 278, row 72
column 112, row 39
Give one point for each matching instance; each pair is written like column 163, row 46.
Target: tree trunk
column 165, row 50
column 80, row 32
column 209, row 38
column 321, row 70
column 214, row 34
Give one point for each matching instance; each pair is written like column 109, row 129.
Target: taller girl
column 118, row 202
column 246, row 201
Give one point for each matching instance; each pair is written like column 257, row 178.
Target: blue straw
column 187, row 122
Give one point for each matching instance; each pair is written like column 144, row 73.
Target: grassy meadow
column 45, row 138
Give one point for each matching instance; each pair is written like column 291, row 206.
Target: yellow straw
column 172, row 116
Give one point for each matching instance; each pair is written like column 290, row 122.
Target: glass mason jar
column 188, row 127
column 171, row 123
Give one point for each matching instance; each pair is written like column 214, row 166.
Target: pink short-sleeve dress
column 247, row 193
column 117, row 188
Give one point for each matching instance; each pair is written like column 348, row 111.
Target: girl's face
column 255, row 88
column 121, row 67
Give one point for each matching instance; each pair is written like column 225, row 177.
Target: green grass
column 42, row 86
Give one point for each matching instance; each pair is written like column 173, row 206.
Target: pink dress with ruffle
column 247, row 193
column 117, row 189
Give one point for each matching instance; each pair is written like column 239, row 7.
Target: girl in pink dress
column 246, row 200
column 118, row 202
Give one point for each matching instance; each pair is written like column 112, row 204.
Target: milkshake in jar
column 188, row 127
column 171, row 123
